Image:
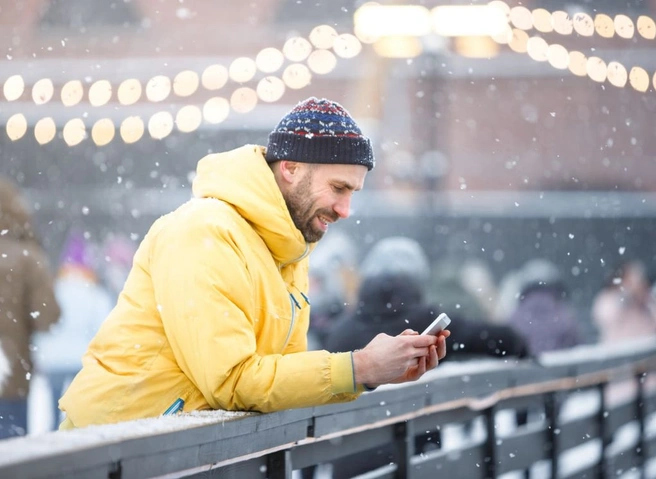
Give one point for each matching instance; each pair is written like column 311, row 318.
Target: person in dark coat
column 391, row 299
column 27, row 305
column 544, row 315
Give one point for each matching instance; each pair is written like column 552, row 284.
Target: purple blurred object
column 76, row 251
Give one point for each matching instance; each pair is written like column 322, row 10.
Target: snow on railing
column 471, row 419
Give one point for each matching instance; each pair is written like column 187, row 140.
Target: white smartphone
column 438, row 325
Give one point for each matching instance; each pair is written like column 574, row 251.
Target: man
column 214, row 313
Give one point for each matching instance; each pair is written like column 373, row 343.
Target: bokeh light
column 188, row 118
column 322, row 61
column 269, row 60
column 243, row 100
column 617, row 74
column 297, row 76
column 14, row 87
column 596, row 69
column 578, row 63
column 185, row 83
column 521, row 17
column 537, row 48
column 558, row 56
column 519, row 41
column 214, row 77
column 103, row 131
column 242, row 69
column 45, row 130
column 562, row 23
column 583, row 24
column 158, row 89
column 624, row 26
column 323, row 36
column 639, row 79
column 129, row 91
column 72, row 93
column 347, row 46
column 216, row 110
column 297, row 49
column 604, row 26
column 42, row 91
column 100, row 93
column 270, row 89
column 542, row 20
column 74, row 132
column 160, row 125
column 132, row 129
column 646, row 27
column 16, row 126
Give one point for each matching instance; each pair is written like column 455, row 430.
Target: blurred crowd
column 49, row 313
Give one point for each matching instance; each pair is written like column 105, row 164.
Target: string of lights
column 318, row 54
column 315, row 55
column 522, row 20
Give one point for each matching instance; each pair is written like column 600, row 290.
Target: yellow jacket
column 208, row 317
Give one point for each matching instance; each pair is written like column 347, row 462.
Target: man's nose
column 343, row 207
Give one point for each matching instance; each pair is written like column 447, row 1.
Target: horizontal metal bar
column 468, row 461
column 304, row 455
column 523, row 448
column 576, row 432
column 620, row 415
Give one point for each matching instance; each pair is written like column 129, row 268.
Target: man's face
column 321, row 195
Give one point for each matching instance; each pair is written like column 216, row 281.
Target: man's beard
column 301, row 208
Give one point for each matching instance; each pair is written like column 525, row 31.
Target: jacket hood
column 243, row 179
column 15, row 219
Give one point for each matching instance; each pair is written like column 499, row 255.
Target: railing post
column 641, row 378
column 279, row 465
column 602, row 417
column 491, row 444
column 404, row 448
column 552, row 409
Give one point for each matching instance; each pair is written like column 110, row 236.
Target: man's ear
column 289, row 170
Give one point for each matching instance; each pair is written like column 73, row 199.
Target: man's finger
column 432, row 358
column 441, row 347
column 409, row 332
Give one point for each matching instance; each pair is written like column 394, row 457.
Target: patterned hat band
column 338, row 150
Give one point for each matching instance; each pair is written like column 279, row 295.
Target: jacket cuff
column 342, row 373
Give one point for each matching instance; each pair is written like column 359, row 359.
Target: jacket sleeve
column 41, row 302
column 204, row 295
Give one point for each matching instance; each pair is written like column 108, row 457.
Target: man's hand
column 398, row 359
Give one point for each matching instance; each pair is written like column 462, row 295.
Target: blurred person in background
column 624, row 308
column 477, row 278
column 215, row 313
column 396, row 293
column 544, row 315
column 84, row 306
column 333, row 284
column 395, row 276
column 27, row 305
column 624, row 311
column 448, row 292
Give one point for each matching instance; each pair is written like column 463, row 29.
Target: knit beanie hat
column 319, row 131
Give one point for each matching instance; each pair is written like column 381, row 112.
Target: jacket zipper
column 293, row 303
column 292, row 300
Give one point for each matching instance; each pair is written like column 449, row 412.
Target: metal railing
column 251, row 445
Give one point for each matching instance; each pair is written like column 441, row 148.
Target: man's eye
column 338, row 189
